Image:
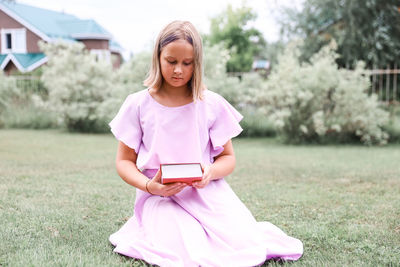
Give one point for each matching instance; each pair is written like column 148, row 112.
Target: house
column 262, row 66
column 23, row 26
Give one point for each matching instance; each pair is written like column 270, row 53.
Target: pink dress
column 196, row 227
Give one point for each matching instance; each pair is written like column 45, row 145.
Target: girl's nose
column 178, row 69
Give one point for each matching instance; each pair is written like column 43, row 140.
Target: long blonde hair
column 178, row 30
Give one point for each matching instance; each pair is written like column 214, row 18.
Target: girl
column 177, row 120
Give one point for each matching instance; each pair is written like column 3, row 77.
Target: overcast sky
column 135, row 24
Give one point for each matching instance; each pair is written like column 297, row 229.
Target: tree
column 233, row 28
column 367, row 30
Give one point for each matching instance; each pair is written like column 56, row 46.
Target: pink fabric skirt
column 201, row 227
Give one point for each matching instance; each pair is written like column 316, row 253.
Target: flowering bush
column 306, row 102
column 393, row 125
column 77, row 85
column 236, row 90
column 17, row 110
column 317, row 100
column 127, row 79
column 216, row 78
column 8, row 92
column 86, row 93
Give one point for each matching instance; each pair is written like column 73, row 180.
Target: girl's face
column 176, row 60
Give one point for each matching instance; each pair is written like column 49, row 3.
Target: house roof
column 115, row 47
column 2, row 57
column 84, row 28
column 55, row 25
column 51, row 25
column 24, row 62
column 27, row 60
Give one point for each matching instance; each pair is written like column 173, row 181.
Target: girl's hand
column 155, row 187
column 207, row 177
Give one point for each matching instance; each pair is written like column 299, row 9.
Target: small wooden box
column 181, row 172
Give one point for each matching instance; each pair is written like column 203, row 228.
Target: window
column 8, row 41
column 13, row 41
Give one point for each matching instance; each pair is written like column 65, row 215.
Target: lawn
column 60, row 199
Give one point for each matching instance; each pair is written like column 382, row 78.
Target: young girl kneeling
column 177, row 120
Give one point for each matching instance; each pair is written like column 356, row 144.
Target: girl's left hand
column 207, row 177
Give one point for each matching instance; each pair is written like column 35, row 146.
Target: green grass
column 60, row 199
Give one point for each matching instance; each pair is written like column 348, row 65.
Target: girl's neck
column 172, row 96
column 175, row 92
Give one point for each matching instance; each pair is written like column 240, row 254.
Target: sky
column 135, row 24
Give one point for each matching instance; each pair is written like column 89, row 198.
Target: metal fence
column 30, row 84
column 386, row 84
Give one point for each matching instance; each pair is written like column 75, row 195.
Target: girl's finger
column 174, row 187
column 174, row 192
column 198, row 185
column 180, row 188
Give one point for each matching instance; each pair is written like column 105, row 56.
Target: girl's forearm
column 223, row 166
column 128, row 171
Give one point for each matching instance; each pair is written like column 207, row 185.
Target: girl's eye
column 187, row 63
column 171, row 62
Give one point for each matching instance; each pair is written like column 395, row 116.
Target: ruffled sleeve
column 225, row 126
column 126, row 124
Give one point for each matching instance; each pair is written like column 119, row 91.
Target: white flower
column 304, row 129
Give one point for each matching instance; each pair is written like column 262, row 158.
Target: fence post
column 395, row 84
column 387, row 84
column 380, row 87
column 373, row 81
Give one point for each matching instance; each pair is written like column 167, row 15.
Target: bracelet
column 147, row 189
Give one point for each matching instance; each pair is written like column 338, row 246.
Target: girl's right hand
column 155, row 186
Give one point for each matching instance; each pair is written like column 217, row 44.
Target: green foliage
column 17, row 108
column 127, row 79
column 8, row 92
column 255, row 124
column 86, row 98
column 84, row 92
column 27, row 115
column 365, row 30
column 313, row 102
column 235, row 90
column 272, row 51
column 306, row 102
column 132, row 73
column 392, row 127
column 77, row 85
column 232, row 28
column 216, row 78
